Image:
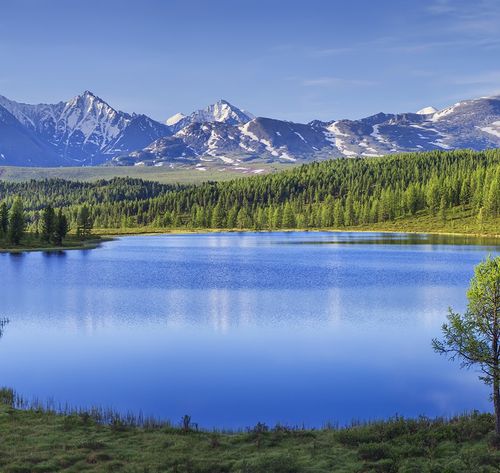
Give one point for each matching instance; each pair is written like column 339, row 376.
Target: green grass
column 458, row 221
column 181, row 175
column 37, row 440
column 32, row 242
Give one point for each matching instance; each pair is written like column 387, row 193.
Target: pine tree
column 243, row 219
column 232, row 216
column 84, row 222
column 288, row 216
column 17, row 222
column 4, row 219
column 442, row 210
column 433, row 195
column 61, row 228
column 48, row 224
column 349, row 211
column 277, row 217
column 338, row 214
column 218, row 220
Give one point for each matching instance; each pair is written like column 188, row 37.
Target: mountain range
column 88, row 131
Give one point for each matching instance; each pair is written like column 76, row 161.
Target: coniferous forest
column 337, row 193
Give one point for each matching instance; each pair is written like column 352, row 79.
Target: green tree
column 61, row 228
column 243, row 219
column 218, row 220
column 433, row 197
column 48, row 224
column 84, row 222
column 492, row 198
column 4, row 219
column 17, row 222
column 349, row 211
column 474, row 337
column 277, row 217
column 442, row 210
column 232, row 216
column 288, row 216
column 338, row 213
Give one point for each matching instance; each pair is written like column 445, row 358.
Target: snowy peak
column 427, row 111
column 175, row 119
column 221, row 112
column 85, row 129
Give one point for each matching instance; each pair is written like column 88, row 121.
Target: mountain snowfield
column 88, row 131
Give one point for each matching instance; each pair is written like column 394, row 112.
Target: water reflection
column 236, row 328
column 3, row 323
column 356, row 238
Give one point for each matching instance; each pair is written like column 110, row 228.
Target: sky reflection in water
column 239, row 328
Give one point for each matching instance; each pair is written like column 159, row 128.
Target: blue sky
column 294, row 60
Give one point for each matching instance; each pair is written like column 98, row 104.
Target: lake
column 235, row 328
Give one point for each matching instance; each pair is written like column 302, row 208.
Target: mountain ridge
column 86, row 130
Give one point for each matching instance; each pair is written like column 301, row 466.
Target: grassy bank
column 458, row 222
column 38, row 440
column 32, row 242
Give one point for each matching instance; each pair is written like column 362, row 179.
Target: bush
column 7, row 397
column 374, row 451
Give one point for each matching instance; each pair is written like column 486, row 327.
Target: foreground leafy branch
column 474, row 337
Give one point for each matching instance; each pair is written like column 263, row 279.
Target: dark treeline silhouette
column 335, row 193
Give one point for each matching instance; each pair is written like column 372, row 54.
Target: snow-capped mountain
column 84, row 130
column 19, row 146
column 262, row 139
column 469, row 124
column 221, row 112
column 427, row 111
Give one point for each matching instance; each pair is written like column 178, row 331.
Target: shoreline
column 90, row 244
column 106, row 235
column 146, row 232
column 96, row 441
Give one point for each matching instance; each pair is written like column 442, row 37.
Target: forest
column 340, row 193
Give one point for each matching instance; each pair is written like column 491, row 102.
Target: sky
column 286, row 59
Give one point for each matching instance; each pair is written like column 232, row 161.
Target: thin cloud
column 336, row 81
column 440, row 7
column 487, row 77
column 331, row 51
column 480, row 17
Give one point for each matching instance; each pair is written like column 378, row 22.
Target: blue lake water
column 298, row 328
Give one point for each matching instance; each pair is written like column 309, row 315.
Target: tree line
column 330, row 194
column 52, row 226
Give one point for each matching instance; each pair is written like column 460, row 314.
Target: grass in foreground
column 38, row 440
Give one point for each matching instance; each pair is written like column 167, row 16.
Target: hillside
column 457, row 190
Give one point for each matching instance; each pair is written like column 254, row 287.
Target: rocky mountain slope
column 83, row 131
column 86, row 130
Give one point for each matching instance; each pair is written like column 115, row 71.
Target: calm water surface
column 239, row 328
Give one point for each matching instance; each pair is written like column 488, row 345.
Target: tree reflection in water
column 3, row 323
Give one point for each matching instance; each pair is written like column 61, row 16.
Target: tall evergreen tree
column 17, row 222
column 61, row 228
column 4, row 219
column 84, row 222
column 48, row 224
